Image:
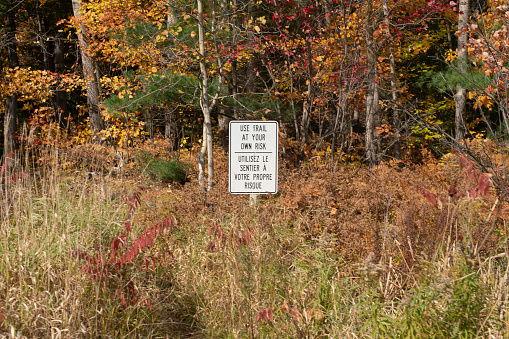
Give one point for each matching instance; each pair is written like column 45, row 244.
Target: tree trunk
column 224, row 125
column 337, row 123
column 60, row 95
column 205, row 106
column 94, row 112
column 11, row 104
column 235, row 89
column 372, row 106
column 394, row 94
column 308, row 103
column 149, row 118
column 10, row 123
column 461, row 92
column 40, row 36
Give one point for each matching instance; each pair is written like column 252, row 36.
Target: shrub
column 161, row 169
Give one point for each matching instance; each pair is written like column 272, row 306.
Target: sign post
column 253, row 157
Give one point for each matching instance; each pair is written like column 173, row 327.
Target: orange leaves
column 127, row 33
column 488, row 48
column 385, row 128
column 36, row 85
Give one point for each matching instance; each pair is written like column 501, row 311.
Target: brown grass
column 330, row 255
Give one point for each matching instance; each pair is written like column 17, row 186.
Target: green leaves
column 446, row 80
column 163, row 170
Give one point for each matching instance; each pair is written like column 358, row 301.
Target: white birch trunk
column 461, row 92
column 94, row 112
column 372, row 105
column 205, row 106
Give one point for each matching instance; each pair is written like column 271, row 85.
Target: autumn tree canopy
column 360, row 80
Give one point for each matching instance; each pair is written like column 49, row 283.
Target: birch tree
column 207, row 104
column 461, row 92
column 372, row 105
column 91, row 78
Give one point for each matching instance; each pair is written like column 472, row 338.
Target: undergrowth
column 161, row 169
column 419, row 251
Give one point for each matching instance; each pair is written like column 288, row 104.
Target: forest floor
column 418, row 250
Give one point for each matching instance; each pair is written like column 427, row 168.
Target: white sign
column 253, row 156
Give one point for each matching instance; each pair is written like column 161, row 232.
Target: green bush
column 161, row 169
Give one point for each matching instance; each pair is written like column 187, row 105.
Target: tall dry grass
column 45, row 213
column 355, row 254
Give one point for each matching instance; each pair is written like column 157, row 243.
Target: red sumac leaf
column 473, row 193
column 295, row 313
column 128, row 256
column 431, row 199
column 265, row 315
column 469, row 173
column 115, row 244
column 483, row 184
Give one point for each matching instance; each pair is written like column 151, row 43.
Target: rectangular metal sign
column 253, row 157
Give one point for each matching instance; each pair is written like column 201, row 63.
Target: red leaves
column 18, row 176
column 6, row 162
column 15, row 176
column 481, row 181
column 145, row 240
column 134, row 201
column 236, row 237
column 265, row 315
column 431, row 197
column 96, row 267
column 475, row 176
column 483, row 184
